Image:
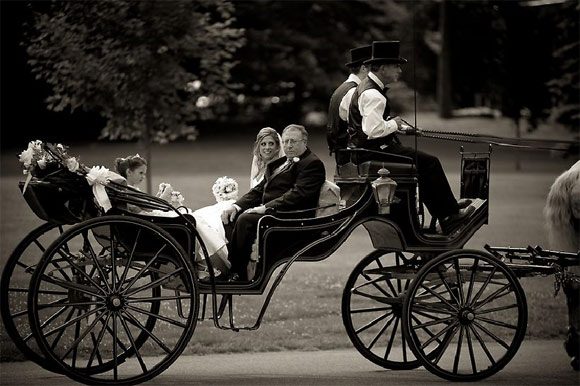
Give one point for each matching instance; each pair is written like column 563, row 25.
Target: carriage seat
column 365, row 164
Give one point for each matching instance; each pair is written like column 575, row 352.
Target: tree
column 295, row 51
column 151, row 68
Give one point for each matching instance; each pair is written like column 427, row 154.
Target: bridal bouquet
column 225, row 188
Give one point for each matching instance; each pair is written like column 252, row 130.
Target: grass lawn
column 305, row 311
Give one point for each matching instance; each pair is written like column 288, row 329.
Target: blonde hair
column 263, row 133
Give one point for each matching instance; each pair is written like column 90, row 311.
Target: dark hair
column 131, row 162
column 376, row 66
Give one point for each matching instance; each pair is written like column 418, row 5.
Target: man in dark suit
column 336, row 127
column 370, row 126
column 290, row 183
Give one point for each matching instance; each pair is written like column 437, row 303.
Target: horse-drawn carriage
column 97, row 301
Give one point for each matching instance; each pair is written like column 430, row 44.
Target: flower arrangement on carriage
column 55, row 187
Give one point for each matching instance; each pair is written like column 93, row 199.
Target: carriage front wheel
column 372, row 304
column 97, row 300
column 470, row 309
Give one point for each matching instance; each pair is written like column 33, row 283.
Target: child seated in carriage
column 208, row 219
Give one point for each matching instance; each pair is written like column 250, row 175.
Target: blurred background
column 150, row 70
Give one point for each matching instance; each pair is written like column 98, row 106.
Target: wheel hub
column 466, row 316
column 115, row 302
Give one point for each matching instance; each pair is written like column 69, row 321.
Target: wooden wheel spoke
column 136, row 349
column 446, row 341
column 369, row 309
column 392, row 338
column 482, row 344
column 374, row 297
column 472, row 280
column 381, row 332
column 138, row 324
column 72, row 286
column 87, row 243
column 115, row 342
column 80, row 336
column 429, row 332
column 459, row 278
column 163, row 279
column 434, row 322
column 485, row 283
column 373, row 322
column 83, row 273
column 497, row 294
column 144, row 269
column 165, row 319
column 434, row 337
column 374, row 282
column 495, row 309
column 98, row 341
column 435, row 308
column 130, row 261
column 61, row 332
column 447, row 287
column 445, row 301
column 162, row 298
column 72, row 321
column 458, row 350
column 497, row 323
column 492, row 335
column 470, row 347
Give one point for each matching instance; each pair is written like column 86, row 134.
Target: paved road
column 537, row 363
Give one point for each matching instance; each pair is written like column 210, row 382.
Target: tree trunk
column 444, row 85
column 145, row 143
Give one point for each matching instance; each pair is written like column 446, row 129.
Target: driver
column 371, row 127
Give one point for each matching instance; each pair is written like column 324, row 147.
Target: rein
column 517, row 143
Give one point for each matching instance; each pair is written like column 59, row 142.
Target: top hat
column 359, row 55
column 386, row 52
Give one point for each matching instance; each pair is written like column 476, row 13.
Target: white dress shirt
column 372, row 104
column 345, row 101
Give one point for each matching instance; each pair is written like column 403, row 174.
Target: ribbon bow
column 98, row 177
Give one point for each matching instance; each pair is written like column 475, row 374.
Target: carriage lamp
column 384, row 191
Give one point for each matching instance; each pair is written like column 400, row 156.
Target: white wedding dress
column 208, row 224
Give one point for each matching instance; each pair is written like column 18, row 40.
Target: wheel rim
column 476, row 327
column 14, row 289
column 372, row 309
column 98, row 307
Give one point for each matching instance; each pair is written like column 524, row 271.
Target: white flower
column 225, row 188
column 176, row 198
column 42, row 162
column 26, row 157
column 72, row 164
column 295, row 159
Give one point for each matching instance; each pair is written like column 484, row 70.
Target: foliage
column 564, row 87
column 149, row 67
column 295, row 51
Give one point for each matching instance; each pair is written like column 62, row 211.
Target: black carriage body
column 61, row 197
column 315, row 239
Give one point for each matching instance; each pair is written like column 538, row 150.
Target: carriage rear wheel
column 14, row 289
column 97, row 303
column 470, row 308
column 372, row 304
